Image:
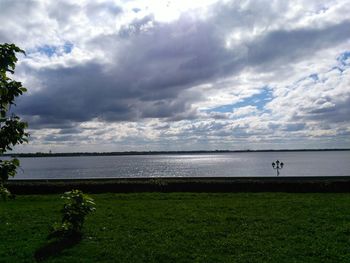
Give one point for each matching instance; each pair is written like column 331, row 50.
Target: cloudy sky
column 182, row 75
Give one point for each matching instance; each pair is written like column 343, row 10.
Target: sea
column 236, row 164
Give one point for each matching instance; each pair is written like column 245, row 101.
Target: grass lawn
column 187, row 227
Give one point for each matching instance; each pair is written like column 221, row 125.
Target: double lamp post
column 277, row 166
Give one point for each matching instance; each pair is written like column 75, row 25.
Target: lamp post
column 277, row 166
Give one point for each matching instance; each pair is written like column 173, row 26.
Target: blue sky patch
column 48, row 50
column 51, row 50
column 343, row 57
column 314, row 77
column 67, row 47
column 258, row 100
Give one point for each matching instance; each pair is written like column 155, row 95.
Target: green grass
column 187, row 227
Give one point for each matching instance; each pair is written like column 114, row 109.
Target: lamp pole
column 277, row 166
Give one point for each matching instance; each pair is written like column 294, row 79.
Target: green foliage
column 4, row 193
column 77, row 206
column 8, row 168
column 12, row 129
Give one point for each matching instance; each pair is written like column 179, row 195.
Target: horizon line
column 170, row 152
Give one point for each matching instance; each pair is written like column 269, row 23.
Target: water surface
column 332, row 163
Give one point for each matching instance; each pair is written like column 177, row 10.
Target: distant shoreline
column 42, row 154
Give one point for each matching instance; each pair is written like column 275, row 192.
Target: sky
column 181, row 75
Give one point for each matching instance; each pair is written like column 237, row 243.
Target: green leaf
column 12, row 129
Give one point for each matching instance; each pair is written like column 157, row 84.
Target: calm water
column 226, row 164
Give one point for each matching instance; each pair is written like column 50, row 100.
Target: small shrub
column 4, row 193
column 77, row 206
column 7, row 169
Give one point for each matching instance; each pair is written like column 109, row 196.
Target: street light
column 277, row 166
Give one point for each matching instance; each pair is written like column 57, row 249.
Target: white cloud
column 244, row 111
column 150, row 74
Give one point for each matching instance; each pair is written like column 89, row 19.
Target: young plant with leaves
column 12, row 129
column 77, row 206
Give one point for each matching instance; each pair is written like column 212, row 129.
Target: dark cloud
column 74, row 130
column 281, row 47
column 60, row 138
column 10, row 30
column 338, row 112
column 154, row 63
column 294, row 127
column 146, row 69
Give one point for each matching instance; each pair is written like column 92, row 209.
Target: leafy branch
column 12, row 129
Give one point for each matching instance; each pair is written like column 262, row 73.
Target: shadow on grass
column 55, row 247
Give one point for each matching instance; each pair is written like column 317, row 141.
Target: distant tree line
column 50, row 154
